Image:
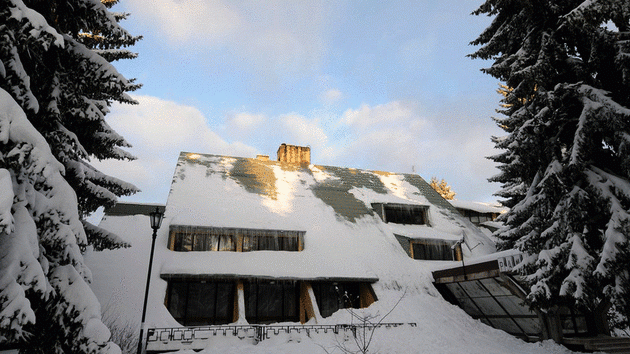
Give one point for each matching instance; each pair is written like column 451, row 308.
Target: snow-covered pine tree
column 56, row 89
column 565, row 168
column 66, row 90
column 46, row 304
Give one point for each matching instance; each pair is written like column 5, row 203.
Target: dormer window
column 409, row 214
column 193, row 238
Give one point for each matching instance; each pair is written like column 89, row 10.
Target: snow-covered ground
column 119, row 280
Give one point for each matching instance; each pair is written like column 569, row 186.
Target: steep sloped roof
column 332, row 204
column 336, row 186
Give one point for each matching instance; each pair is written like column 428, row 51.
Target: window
column 436, row 250
column 492, row 302
column 402, row 213
column 334, row 296
column 203, row 239
column 189, row 238
column 271, row 240
column 198, row 303
column 212, row 302
column 572, row 321
column 476, row 217
column 272, row 301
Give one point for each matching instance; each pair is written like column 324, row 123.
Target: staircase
column 600, row 344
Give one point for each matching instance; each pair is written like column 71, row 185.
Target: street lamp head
column 156, row 218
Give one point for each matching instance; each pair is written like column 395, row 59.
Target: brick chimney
column 294, row 154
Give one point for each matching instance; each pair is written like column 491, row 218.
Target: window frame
column 183, row 238
column 188, row 317
column 385, row 210
column 323, row 291
column 432, row 242
column 254, row 312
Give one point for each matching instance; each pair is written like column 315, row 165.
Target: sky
column 366, row 84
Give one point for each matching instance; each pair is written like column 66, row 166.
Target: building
column 310, row 220
column 253, row 246
column 480, row 214
column 252, row 241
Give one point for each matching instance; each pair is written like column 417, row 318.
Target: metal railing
column 258, row 332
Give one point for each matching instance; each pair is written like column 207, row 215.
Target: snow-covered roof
column 478, row 206
column 344, row 237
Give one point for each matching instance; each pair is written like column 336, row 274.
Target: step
column 602, row 343
column 614, row 351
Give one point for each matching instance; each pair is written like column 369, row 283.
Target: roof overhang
column 180, row 276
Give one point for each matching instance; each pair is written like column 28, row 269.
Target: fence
column 182, row 337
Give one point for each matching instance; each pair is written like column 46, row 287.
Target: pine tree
column 56, row 85
column 442, row 188
column 565, row 165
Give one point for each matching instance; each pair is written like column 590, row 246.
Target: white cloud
column 392, row 113
column 302, row 131
column 272, row 38
column 159, row 130
column 331, row 97
column 241, row 125
column 189, row 21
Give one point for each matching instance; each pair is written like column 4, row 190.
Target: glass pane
column 290, row 243
column 514, row 305
column 249, row 243
column 350, row 295
column 420, row 252
column 456, row 290
column 506, row 324
column 226, row 243
column 177, row 301
column 269, row 301
column 469, row 307
column 187, row 242
column 486, row 321
column 269, row 243
column 429, row 250
column 326, row 297
column 531, row 326
column 404, row 214
column 251, row 290
column 488, row 306
column 213, row 243
column 473, row 289
column 179, row 237
column 225, row 303
column 291, row 301
column 199, row 242
column 494, row 287
column 201, row 303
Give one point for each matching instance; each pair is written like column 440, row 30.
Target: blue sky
column 366, row 84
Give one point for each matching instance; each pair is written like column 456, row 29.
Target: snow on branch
column 41, row 236
column 614, row 189
column 20, row 12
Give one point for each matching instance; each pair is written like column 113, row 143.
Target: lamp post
column 156, row 220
